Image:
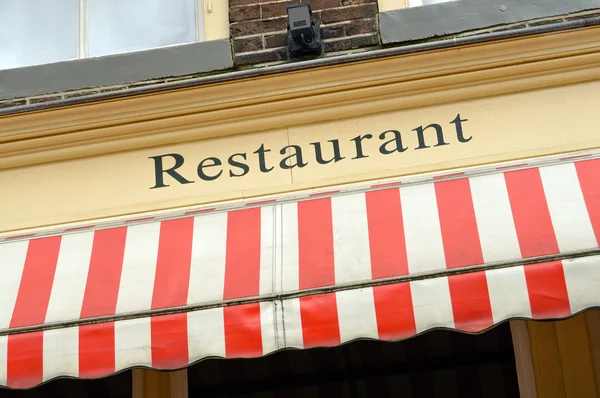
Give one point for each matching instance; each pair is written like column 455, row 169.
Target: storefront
column 378, row 198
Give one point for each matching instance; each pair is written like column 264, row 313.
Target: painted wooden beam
column 558, row 359
column 156, row 384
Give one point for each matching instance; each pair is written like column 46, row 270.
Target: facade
column 190, row 192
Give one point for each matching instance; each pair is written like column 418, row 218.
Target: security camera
column 304, row 32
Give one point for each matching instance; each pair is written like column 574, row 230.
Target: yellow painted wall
column 505, row 127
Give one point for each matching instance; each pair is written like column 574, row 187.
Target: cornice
column 298, row 97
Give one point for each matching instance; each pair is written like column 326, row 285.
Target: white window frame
column 388, row 5
column 419, row 3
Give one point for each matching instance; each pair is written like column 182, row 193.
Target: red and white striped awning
column 461, row 251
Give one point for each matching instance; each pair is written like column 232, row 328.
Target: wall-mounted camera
column 304, row 32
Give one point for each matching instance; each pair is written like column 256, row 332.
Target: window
column 118, row 26
column 37, row 31
column 42, row 31
column 415, row 3
column 388, row 5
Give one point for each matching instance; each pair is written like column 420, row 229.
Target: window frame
column 389, row 5
column 419, row 3
column 212, row 15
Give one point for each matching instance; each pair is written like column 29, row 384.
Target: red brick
column 323, row 4
column 244, row 13
column 349, row 13
column 256, row 27
column 279, row 40
column 350, row 43
column 361, row 26
column 353, row 2
column 276, row 9
column 262, row 57
column 330, row 32
column 248, row 45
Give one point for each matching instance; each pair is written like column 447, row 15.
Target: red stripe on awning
column 530, row 212
column 393, row 304
column 462, row 248
column 173, row 263
column 169, row 333
column 102, row 287
column 36, row 283
column 100, row 299
column 589, row 180
column 320, row 325
column 470, row 301
column 458, row 224
column 30, row 309
column 547, row 290
column 242, row 268
column 169, row 341
column 394, row 311
column 243, row 337
column 536, row 238
column 317, row 268
column 96, row 350
column 315, row 241
column 386, row 233
column 26, row 365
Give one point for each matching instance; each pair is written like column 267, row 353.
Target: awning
column 464, row 250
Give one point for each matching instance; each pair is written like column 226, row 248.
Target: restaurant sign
column 389, row 142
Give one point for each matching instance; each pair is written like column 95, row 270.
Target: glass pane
column 117, row 26
column 37, row 31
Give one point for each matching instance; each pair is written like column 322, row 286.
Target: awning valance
column 463, row 250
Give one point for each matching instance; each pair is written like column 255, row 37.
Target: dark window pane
column 115, row 386
column 437, row 363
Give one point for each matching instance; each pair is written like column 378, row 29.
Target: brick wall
column 259, row 27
